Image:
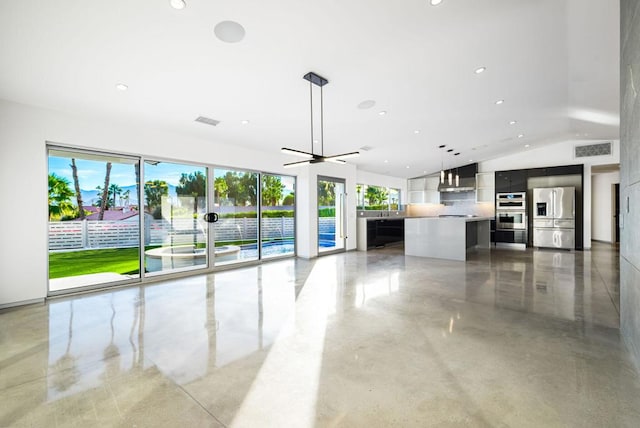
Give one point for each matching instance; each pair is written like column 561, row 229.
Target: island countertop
column 465, row 218
column 446, row 237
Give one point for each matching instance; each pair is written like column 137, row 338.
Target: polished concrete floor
column 508, row 339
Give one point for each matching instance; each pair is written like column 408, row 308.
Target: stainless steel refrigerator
column 554, row 217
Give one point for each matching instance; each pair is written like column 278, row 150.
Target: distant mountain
column 90, row 197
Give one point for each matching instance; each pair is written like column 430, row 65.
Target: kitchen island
column 446, row 237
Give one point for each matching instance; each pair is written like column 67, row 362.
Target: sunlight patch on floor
column 289, row 378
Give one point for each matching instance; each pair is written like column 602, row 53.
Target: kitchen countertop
column 382, row 218
column 465, row 219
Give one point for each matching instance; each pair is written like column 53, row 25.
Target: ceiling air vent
column 207, row 121
column 366, row 148
column 599, row 149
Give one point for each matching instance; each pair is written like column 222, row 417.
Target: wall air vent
column 207, row 121
column 599, row 149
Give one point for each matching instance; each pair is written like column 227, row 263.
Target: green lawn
column 118, row 260
column 73, row 263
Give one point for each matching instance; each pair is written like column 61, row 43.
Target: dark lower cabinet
column 511, row 236
column 384, row 232
column 371, row 233
column 493, row 231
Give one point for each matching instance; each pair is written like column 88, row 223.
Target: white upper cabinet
column 485, row 187
column 424, row 190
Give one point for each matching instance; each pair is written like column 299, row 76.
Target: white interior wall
column 550, row 155
column 601, row 209
column 24, row 132
column 556, row 155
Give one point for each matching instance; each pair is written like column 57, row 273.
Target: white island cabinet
column 445, row 238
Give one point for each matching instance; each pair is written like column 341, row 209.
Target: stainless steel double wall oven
column 511, row 211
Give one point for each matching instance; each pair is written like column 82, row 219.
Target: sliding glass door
column 236, row 231
column 117, row 218
column 278, row 215
column 94, row 219
column 332, row 223
column 175, row 202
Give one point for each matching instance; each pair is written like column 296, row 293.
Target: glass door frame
column 52, row 146
column 343, row 213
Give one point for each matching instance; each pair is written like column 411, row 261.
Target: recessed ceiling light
column 366, row 104
column 470, row 160
column 121, row 87
column 245, row 122
column 382, row 113
column 408, row 166
column 480, row 70
column 417, row 131
column 513, row 122
column 315, row 141
column 520, row 135
column 435, row 2
column 527, row 146
column 178, row 4
column 229, row 31
column 499, row 102
column 386, row 161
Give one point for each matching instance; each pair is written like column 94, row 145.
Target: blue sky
column 91, row 173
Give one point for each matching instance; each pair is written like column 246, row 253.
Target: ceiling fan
column 311, row 157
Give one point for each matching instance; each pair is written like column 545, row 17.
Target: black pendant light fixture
column 311, row 157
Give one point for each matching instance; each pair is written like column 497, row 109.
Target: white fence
column 66, row 235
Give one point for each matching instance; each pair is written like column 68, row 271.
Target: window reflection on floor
column 212, row 323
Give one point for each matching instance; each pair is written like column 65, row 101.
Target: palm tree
column 115, row 191
column 105, row 193
column 271, row 189
column 76, row 183
column 60, row 195
column 154, row 191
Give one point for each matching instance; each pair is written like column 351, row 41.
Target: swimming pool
column 273, row 249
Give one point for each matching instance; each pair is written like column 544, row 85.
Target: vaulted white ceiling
column 555, row 63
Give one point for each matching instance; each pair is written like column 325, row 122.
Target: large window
column 112, row 219
column 377, row 197
column 94, row 219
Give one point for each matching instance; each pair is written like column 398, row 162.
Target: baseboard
column 21, row 303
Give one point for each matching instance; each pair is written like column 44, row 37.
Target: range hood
column 467, row 184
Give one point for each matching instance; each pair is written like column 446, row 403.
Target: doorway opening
column 332, row 221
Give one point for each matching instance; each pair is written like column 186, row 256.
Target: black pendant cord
column 320, row 81
column 311, row 109
column 321, row 122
